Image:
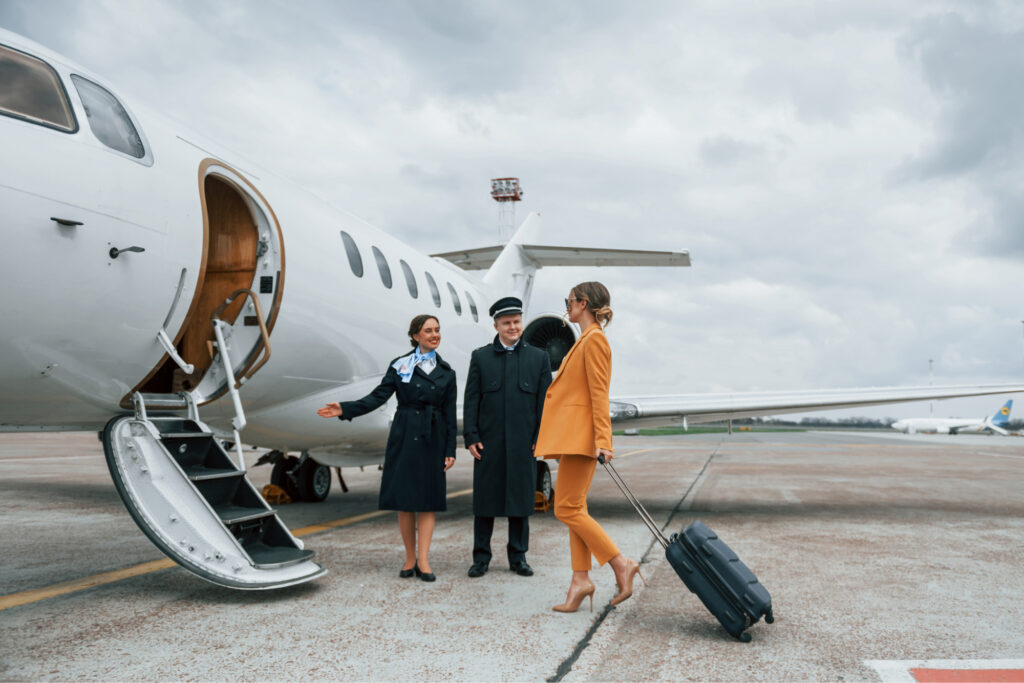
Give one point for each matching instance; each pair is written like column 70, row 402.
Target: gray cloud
column 843, row 174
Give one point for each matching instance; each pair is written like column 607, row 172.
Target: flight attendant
column 576, row 428
column 421, row 444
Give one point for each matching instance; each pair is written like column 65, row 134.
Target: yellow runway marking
column 75, row 585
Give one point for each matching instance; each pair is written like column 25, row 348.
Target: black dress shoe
column 477, row 570
column 406, row 573
column 521, row 568
column 424, row 576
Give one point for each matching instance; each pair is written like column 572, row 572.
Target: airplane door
column 243, row 250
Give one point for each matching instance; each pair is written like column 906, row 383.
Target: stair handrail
column 238, row 421
column 264, row 334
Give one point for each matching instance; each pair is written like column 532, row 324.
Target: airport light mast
column 506, row 191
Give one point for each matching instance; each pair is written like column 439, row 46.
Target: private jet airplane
column 957, row 425
column 148, row 274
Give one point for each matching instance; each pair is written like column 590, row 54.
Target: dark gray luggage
column 710, row 569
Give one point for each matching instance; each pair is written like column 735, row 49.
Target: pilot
column 504, row 397
column 421, row 444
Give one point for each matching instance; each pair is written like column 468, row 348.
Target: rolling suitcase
column 710, row 569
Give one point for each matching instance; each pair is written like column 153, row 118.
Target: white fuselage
column 934, row 425
column 79, row 327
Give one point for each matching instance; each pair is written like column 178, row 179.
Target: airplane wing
column 691, row 408
column 546, row 256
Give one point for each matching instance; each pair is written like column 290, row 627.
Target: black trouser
column 518, row 539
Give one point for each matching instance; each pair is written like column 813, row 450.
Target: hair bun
column 603, row 315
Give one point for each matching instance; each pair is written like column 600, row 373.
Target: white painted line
column 899, row 669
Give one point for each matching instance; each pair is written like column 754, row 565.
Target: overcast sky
column 846, row 176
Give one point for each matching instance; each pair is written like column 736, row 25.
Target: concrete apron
column 872, row 549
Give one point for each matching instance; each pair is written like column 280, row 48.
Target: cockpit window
column 31, row 90
column 108, row 119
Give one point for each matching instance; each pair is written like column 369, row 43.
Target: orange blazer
column 576, row 417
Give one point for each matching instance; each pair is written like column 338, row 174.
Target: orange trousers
column 586, row 537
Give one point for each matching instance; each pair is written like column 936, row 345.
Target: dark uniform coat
column 421, row 437
column 502, row 407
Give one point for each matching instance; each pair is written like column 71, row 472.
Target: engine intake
column 547, row 332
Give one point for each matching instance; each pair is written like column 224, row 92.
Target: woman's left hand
column 448, row 462
column 608, row 455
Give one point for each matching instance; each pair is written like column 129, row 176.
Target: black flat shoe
column 521, row 568
column 406, row 573
column 426, row 577
column 477, row 570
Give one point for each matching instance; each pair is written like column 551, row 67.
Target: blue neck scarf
column 406, row 365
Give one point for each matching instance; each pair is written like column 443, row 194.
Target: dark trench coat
column 421, row 437
column 503, row 401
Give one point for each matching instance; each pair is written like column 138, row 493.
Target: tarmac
column 888, row 557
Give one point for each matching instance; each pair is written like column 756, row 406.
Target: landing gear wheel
column 279, row 476
column 314, row 481
column 544, row 480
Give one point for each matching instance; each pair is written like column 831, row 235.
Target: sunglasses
column 571, row 299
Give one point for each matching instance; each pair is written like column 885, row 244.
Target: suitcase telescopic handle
column 637, row 505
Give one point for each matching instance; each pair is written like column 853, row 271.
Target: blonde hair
column 598, row 300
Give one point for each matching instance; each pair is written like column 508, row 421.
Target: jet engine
column 549, row 333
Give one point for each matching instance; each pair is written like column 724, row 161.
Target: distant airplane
column 144, row 275
column 957, row 425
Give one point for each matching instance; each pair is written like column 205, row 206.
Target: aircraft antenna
column 506, row 191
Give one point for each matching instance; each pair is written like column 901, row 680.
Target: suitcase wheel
column 769, row 618
column 744, row 637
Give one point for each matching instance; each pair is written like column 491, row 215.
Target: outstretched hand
column 330, row 410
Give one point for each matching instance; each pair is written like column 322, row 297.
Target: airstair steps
column 201, row 473
column 236, row 514
column 187, row 494
column 267, row 556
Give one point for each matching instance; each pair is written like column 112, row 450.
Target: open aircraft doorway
column 243, row 249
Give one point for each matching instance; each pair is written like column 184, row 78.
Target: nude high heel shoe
column 575, row 599
column 625, row 592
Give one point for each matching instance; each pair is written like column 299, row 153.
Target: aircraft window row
column 410, row 280
column 32, row 91
column 355, row 261
column 382, row 266
column 108, row 119
column 435, row 293
column 455, row 299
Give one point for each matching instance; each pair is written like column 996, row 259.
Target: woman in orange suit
column 576, row 428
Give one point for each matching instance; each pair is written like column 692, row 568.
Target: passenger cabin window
column 382, row 266
column 472, row 307
column 31, row 90
column 434, row 292
column 108, row 119
column 455, row 299
column 354, row 259
column 410, row 279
